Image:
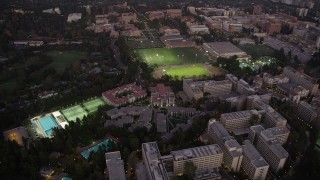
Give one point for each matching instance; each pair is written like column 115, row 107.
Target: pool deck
column 80, row 149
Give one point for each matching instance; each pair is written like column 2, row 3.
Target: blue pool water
column 47, row 124
column 95, row 148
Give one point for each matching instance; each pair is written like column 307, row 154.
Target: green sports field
column 93, row 105
column 172, row 56
column 74, row 112
column 187, row 71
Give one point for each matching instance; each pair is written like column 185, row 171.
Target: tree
column 190, row 169
column 254, row 119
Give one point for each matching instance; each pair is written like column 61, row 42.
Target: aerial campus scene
column 159, row 90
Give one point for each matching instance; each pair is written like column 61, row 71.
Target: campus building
column 203, row 157
column 192, row 89
column 181, row 111
column 223, row 49
column 237, row 120
column 271, row 150
column 123, row 95
column 151, row 159
column 253, row 163
column 173, row 41
column 152, row 15
column 244, row 88
column 115, row 166
column 162, row 96
column 274, row 119
column 280, row 133
column 198, row 29
column 206, row 158
column 126, row 18
column 307, row 112
column 195, row 89
column 232, row 151
column 217, row 88
column 173, row 13
column 301, row 79
column 270, row 80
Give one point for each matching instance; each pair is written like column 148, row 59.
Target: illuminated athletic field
column 172, row 56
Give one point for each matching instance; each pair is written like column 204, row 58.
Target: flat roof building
column 115, row 166
column 162, row 96
column 232, row 151
column 271, row 150
column 203, row 157
column 253, row 163
column 301, row 79
column 151, row 156
column 223, row 49
column 237, row 120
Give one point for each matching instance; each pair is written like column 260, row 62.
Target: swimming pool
column 95, row 148
column 47, row 124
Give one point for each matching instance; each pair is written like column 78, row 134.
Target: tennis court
column 74, row 112
column 93, row 105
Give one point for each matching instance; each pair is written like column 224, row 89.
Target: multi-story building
column 191, row 89
column 151, row 159
column 173, row 13
column 217, row 88
column 203, row 157
column 102, row 19
column 281, row 134
column 251, row 101
column 273, row 28
column 181, row 111
column 270, row 80
column 307, row 112
column 244, row 88
column 152, row 15
column 126, row 18
column 271, row 150
column 238, row 102
column 233, row 79
column 301, row 79
column 253, row 163
column 232, row 151
column 198, row 29
column 162, row 96
column 115, row 166
column 274, row 119
column 123, row 95
column 237, row 120
column 254, row 133
column 232, row 26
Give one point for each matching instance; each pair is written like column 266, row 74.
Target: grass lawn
column 257, row 50
column 187, row 71
column 172, row 56
column 61, row 59
column 142, row 44
column 93, row 105
column 74, row 112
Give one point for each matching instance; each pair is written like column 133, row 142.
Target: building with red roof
column 123, row 95
column 162, row 96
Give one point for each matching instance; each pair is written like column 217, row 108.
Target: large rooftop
column 274, row 144
column 223, row 47
column 115, row 166
column 152, row 155
column 196, row 152
column 255, row 157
